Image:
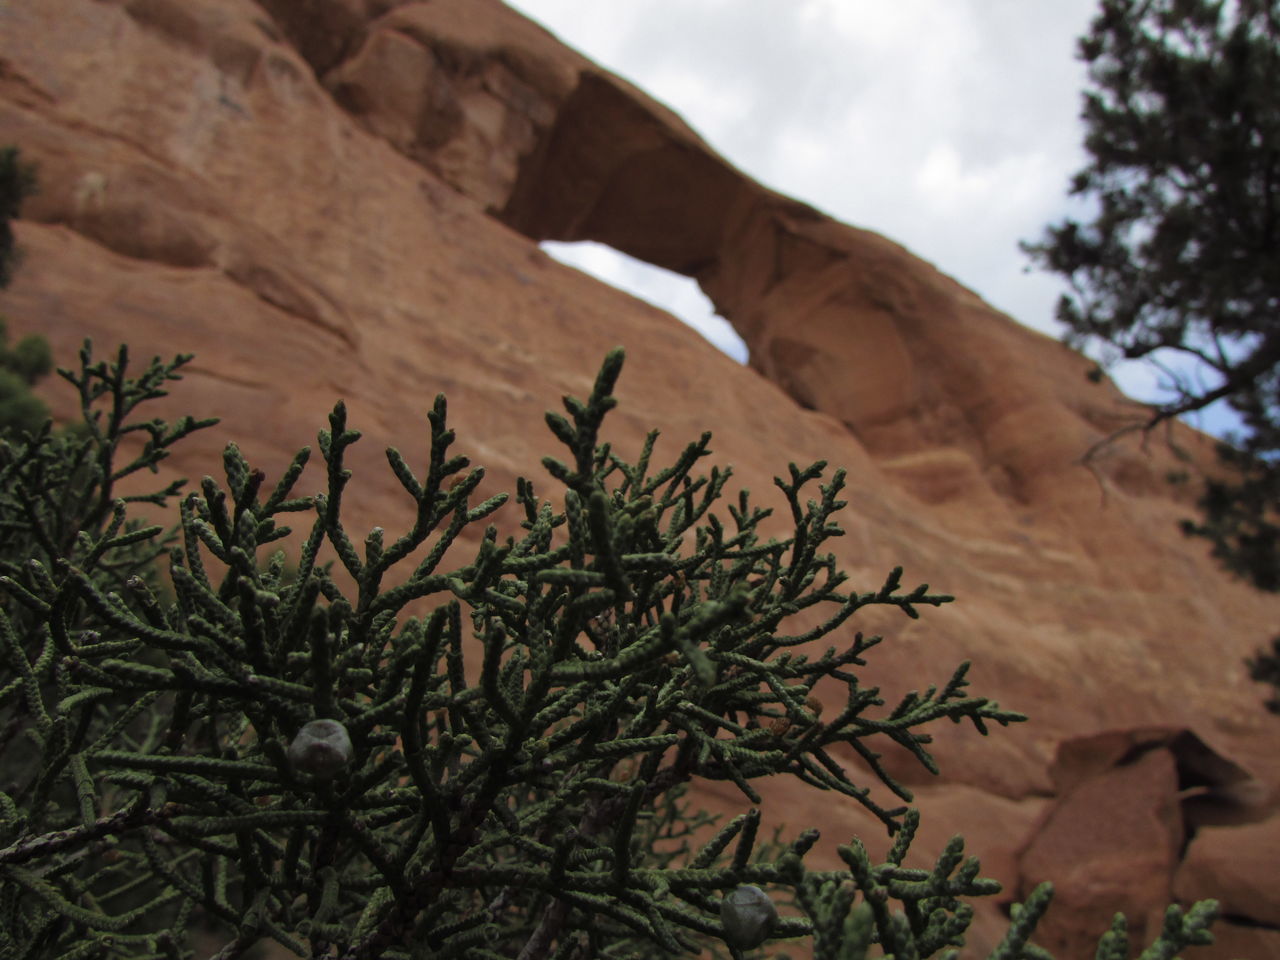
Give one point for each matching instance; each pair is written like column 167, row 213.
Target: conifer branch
column 296, row 757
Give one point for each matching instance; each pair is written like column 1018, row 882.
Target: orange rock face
column 343, row 199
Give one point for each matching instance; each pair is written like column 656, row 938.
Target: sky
column 949, row 126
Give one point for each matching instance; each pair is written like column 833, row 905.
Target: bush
column 30, row 359
column 17, row 182
column 20, row 368
column 304, row 760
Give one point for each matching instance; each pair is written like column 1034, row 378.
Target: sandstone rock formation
column 1126, row 804
column 343, row 199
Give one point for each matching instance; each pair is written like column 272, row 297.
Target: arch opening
column 666, row 290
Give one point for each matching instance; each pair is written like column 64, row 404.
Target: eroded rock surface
column 1126, row 805
column 342, row 199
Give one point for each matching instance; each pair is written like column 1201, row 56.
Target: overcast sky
column 949, row 126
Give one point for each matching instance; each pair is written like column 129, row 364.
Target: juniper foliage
column 316, row 759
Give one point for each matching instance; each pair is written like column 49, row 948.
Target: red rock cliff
column 343, row 199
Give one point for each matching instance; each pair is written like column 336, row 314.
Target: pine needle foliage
column 303, row 759
column 1177, row 261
